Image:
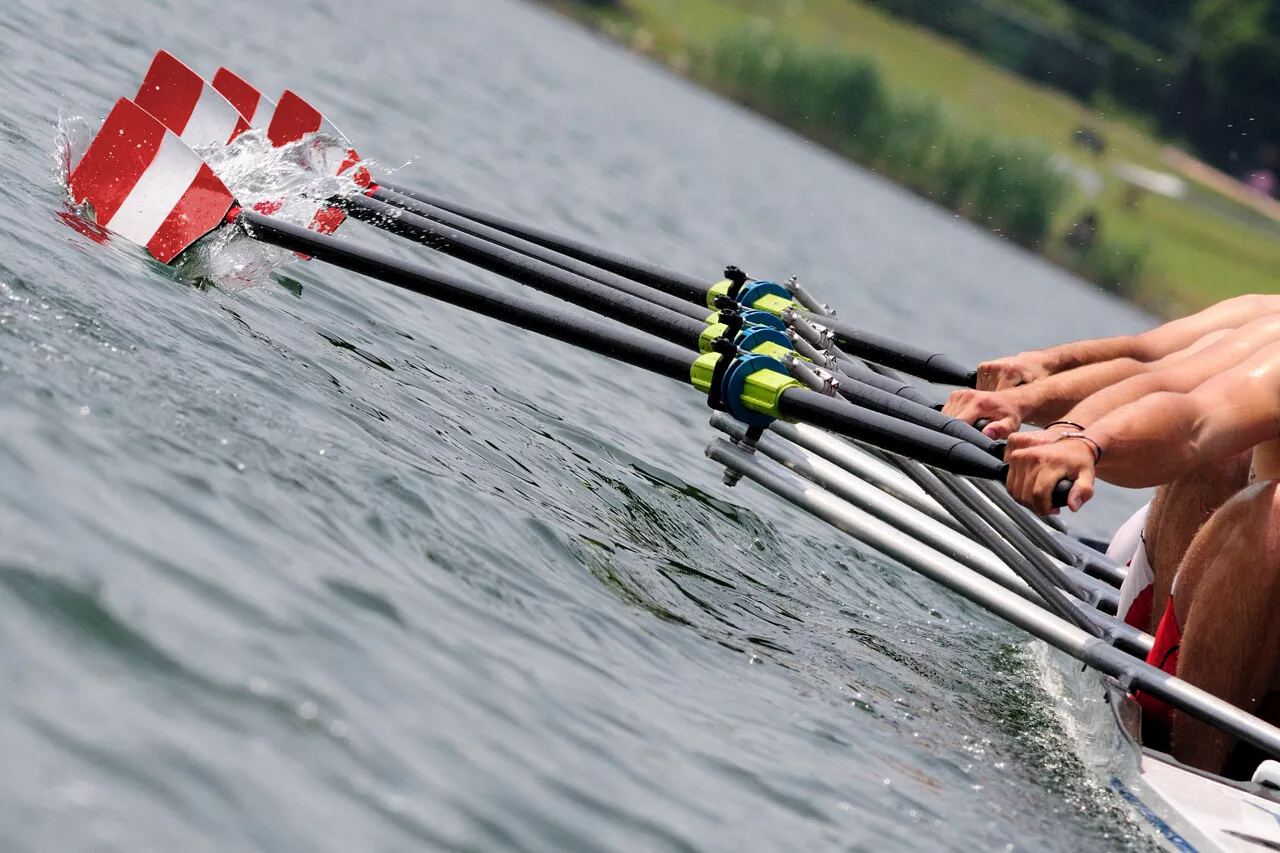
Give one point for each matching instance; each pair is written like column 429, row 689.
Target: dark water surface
column 320, row 566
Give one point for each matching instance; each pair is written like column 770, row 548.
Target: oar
column 637, row 310
column 142, row 182
column 293, row 118
column 201, row 115
column 183, row 102
column 171, row 88
column 927, row 365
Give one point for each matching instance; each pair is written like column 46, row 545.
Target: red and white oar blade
column 147, row 185
column 294, row 118
column 187, row 105
column 251, row 103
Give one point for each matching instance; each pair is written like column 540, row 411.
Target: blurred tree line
column 1207, row 71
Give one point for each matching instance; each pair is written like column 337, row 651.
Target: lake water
column 315, row 565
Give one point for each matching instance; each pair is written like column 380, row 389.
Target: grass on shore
column 1194, row 254
column 840, row 99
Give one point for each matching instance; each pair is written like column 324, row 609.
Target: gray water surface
column 319, row 565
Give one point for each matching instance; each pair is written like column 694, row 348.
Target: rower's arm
column 1039, row 402
column 1056, row 397
column 1167, row 435
column 1146, row 347
column 1181, row 372
column 1180, row 334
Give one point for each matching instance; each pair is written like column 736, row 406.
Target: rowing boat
column 814, row 409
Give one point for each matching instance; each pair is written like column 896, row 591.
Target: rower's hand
column 1035, row 438
column 1034, row 472
column 999, row 407
column 1021, row 369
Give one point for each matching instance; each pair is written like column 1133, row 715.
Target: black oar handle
column 918, row 361
column 1061, row 492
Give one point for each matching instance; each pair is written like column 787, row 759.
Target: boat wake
column 1076, row 699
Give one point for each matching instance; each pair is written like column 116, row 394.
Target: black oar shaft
column 882, row 401
column 624, row 344
column 857, row 370
column 669, row 281
column 696, row 309
column 890, row 433
column 624, row 307
column 918, row 361
column 532, row 272
column 573, row 327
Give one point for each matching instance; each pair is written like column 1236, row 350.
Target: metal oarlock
column 814, row 378
column 807, row 350
column 806, row 299
column 816, row 334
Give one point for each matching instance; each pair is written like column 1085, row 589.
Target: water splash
column 292, row 182
column 299, row 176
column 74, row 133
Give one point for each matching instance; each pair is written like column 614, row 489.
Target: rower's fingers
column 1001, row 428
column 1031, row 438
column 1082, row 491
column 1046, row 480
column 986, row 382
column 1016, row 478
column 1010, row 377
column 959, row 403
